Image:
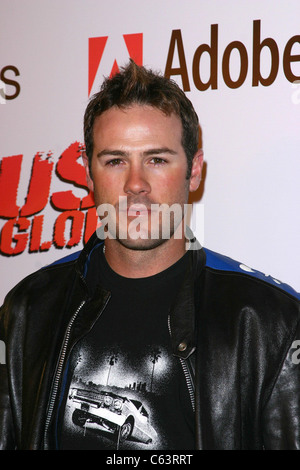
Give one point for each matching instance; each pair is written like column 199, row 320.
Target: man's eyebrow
column 158, row 151
column 121, row 153
column 113, row 153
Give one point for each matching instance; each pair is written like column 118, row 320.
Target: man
column 145, row 340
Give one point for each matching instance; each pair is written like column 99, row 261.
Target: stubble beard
column 144, row 233
column 146, row 241
column 165, row 224
column 141, row 244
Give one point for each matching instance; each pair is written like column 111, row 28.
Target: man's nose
column 136, row 181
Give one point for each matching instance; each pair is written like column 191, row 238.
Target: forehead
column 137, row 121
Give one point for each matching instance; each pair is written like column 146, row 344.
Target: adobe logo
column 109, row 51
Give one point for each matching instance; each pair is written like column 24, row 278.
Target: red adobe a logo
column 134, row 44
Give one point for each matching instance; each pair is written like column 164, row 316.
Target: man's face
column 138, row 164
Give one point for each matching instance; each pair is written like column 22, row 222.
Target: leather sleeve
column 281, row 414
column 7, row 441
column 6, row 422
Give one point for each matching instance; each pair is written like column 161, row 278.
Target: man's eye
column 158, row 161
column 114, row 162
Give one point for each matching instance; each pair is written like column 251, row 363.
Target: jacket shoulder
column 52, row 277
column 57, row 275
column 66, row 259
column 221, row 263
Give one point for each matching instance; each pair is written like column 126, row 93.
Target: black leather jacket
column 237, row 335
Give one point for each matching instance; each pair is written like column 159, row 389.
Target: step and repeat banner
column 238, row 62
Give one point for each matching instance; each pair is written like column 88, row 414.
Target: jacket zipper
column 189, row 381
column 187, row 374
column 60, row 369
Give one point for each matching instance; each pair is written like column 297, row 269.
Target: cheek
column 172, row 185
column 106, row 186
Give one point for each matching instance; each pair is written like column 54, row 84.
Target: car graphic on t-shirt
column 124, row 417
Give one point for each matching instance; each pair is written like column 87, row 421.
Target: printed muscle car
column 124, row 417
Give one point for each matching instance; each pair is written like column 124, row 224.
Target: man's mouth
column 136, row 210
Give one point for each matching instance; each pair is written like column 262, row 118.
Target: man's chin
column 141, row 244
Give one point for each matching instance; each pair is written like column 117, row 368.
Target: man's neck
column 134, row 263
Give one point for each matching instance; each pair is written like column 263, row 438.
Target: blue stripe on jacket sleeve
column 224, row 263
column 65, row 259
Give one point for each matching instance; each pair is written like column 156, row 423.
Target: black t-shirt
column 128, row 391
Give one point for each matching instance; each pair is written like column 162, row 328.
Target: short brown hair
column 137, row 85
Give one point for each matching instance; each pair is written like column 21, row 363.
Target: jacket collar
column 84, row 257
column 182, row 314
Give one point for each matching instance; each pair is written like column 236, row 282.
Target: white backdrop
column 248, row 206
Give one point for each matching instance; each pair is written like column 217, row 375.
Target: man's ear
column 196, row 171
column 86, row 165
